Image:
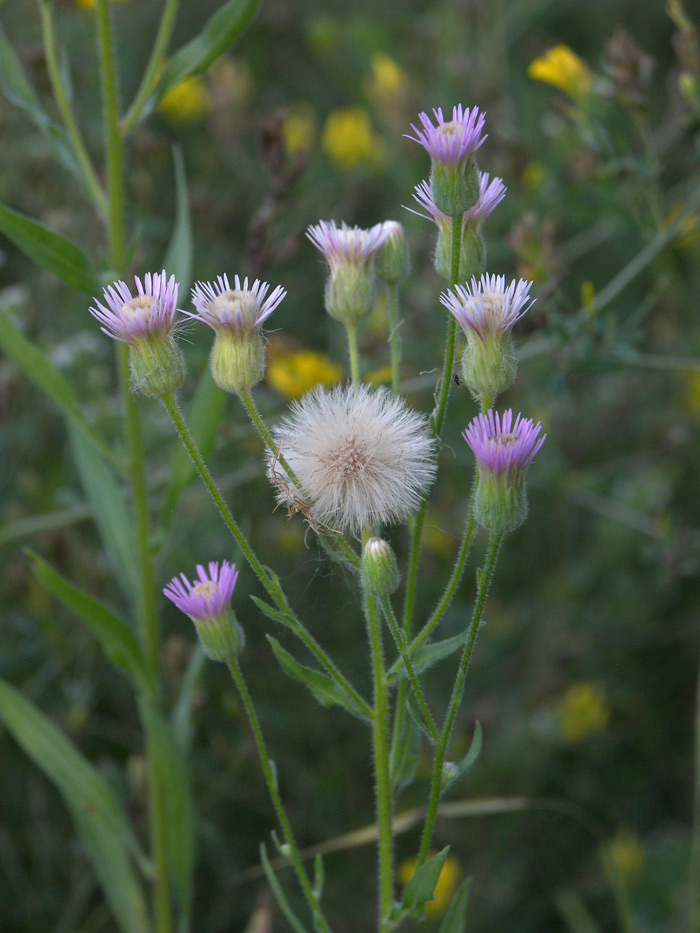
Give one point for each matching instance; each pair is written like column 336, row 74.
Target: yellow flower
column 186, row 102
column 692, row 392
column 381, row 376
column 388, row 82
column 564, row 69
column 90, row 4
column 348, row 138
column 582, row 712
column 293, row 374
column 627, row 852
column 534, row 176
column 444, row 889
column 299, row 129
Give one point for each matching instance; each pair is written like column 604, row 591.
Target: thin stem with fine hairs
column 353, row 353
column 484, row 577
column 394, row 335
column 271, row 782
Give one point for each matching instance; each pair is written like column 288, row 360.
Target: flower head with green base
column 351, row 287
column 451, row 145
column 207, row 603
column 487, row 310
column 473, row 248
column 146, row 323
column 236, row 316
column 504, row 449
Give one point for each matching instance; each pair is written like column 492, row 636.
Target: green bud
column 489, row 367
column 455, row 189
column 378, row 568
column 393, row 260
column 500, row 501
column 237, row 359
column 221, row 637
column 351, row 292
column 156, row 365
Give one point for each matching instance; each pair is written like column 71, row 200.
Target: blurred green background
column 584, row 677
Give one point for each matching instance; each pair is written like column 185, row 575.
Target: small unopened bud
column 379, row 570
column 393, row 259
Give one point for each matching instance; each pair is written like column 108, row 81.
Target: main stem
column 380, row 743
column 271, row 782
column 149, row 616
column 485, row 578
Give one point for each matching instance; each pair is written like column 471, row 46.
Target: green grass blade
column 179, row 255
column 105, row 832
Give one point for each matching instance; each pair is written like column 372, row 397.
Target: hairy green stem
column 269, row 581
column 271, row 782
column 354, row 354
column 380, row 744
column 152, row 72
column 267, row 439
column 484, row 578
column 400, row 640
column 394, row 335
column 63, row 103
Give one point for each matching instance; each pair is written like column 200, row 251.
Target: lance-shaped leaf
column 452, row 772
column 219, row 33
column 421, row 887
column 106, row 834
column 455, row 920
column 428, row 655
column 42, row 373
column 406, row 753
column 278, row 893
column 327, row 691
column 118, row 641
column 49, row 250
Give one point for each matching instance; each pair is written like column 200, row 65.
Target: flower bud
column 393, row 260
column 378, row 568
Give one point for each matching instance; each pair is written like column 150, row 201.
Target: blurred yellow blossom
column 294, row 373
column 692, row 392
column 689, row 233
column 388, row 83
column 380, row 376
column 444, row 889
column 348, row 138
column 583, row 711
column 299, row 128
column 627, row 852
column 563, row 68
column 186, row 102
column 90, row 4
column 534, row 175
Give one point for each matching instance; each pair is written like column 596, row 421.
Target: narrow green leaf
column 173, row 780
column 428, row 655
column 270, row 611
column 119, row 642
column 19, row 92
column 325, row 690
column 421, row 887
column 278, row 893
column 181, row 716
column 417, row 717
column 105, row 832
column 450, row 775
column 219, row 33
column 107, row 498
column 49, row 250
column 455, row 920
column 405, row 761
column 204, row 414
column 179, row 255
column 319, row 876
column 37, row 367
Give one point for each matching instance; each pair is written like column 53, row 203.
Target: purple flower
column 451, row 142
column 135, row 319
column 487, row 308
column 239, row 308
column 501, row 446
column 343, row 245
column 207, row 603
column 208, row 598
column 491, row 195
